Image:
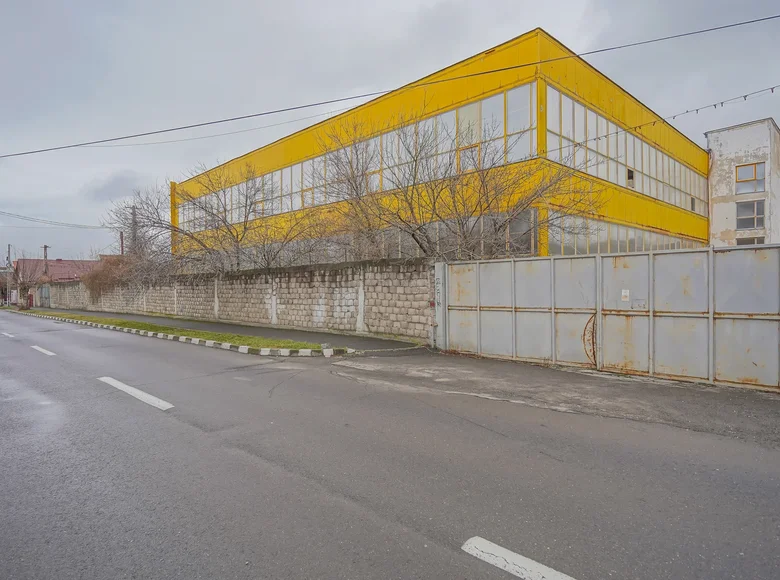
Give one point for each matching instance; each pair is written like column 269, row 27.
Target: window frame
column 754, row 179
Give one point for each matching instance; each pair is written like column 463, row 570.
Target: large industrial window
column 750, row 214
column 750, row 178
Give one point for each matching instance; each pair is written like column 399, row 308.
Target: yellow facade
column 535, row 57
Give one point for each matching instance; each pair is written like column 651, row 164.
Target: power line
column 51, row 222
column 378, row 93
column 715, row 105
column 223, row 134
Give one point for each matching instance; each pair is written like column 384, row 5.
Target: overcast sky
column 89, row 69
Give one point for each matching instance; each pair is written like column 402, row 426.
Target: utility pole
column 45, row 260
column 8, row 277
column 122, row 243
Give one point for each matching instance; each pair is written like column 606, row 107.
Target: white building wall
column 733, row 146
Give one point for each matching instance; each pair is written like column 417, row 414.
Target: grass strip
column 238, row 339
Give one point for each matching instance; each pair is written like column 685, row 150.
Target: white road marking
column 138, row 394
column 515, row 564
column 44, row 351
column 8, row 335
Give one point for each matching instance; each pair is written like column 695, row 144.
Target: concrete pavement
column 281, row 468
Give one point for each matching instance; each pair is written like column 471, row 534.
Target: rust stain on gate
column 589, row 339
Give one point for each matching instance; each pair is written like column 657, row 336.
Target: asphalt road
column 279, row 468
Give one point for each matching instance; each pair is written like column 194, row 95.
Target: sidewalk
column 742, row 413
column 336, row 340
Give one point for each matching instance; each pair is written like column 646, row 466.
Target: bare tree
column 28, row 273
column 228, row 221
column 451, row 193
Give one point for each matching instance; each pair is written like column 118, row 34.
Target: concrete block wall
column 367, row 297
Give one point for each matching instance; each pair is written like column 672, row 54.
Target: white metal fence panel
column 702, row 315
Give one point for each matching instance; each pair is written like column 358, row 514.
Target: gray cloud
column 116, row 186
column 100, row 69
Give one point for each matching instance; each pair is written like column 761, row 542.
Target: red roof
column 58, row 270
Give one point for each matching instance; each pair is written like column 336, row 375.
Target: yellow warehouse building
column 656, row 178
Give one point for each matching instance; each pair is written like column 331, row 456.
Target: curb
column 287, row 352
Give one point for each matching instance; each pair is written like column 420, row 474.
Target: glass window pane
column 760, row 207
column 533, row 104
column 603, row 238
column 286, row 180
column 580, row 157
column 553, row 147
column 759, row 185
column 630, row 150
column 613, row 171
column 746, row 172
column 567, row 117
column 518, row 147
column 621, row 146
column 582, row 238
column 652, row 156
column 601, row 143
column 632, row 239
column 372, row 154
column 745, row 223
column 759, row 222
column 612, row 138
column 601, row 169
column 468, row 124
column 579, row 123
column 621, row 175
column 493, row 117
column 745, row 186
column 645, row 158
column 518, row 109
column 759, row 171
column 593, row 131
column 295, row 171
column 390, row 149
column 553, row 110
column 567, row 152
column 745, row 209
column 593, row 162
column 553, row 241
column 445, row 131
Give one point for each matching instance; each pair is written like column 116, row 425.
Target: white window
column 630, row 151
column 493, row 117
column 750, row 178
column 468, row 124
column 579, row 123
column 601, row 143
column 445, row 131
column 593, row 132
column 519, row 113
column 553, row 147
column 553, row 110
column 567, row 117
column 519, row 146
column 612, row 139
column 295, row 171
column 750, row 214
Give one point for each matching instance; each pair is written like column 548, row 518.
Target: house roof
column 59, row 270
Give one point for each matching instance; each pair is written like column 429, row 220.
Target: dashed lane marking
column 137, row 393
column 515, row 564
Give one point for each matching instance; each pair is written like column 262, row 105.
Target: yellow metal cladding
column 433, row 94
column 427, row 96
column 587, row 85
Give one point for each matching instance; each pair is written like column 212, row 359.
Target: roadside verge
column 253, row 345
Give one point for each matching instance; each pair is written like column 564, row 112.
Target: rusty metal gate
column 700, row 315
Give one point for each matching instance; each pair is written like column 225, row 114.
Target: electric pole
column 8, row 277
column 46, row 260
column 121, row 243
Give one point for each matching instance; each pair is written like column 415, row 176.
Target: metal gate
column 701, row 315
column 43, row 296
